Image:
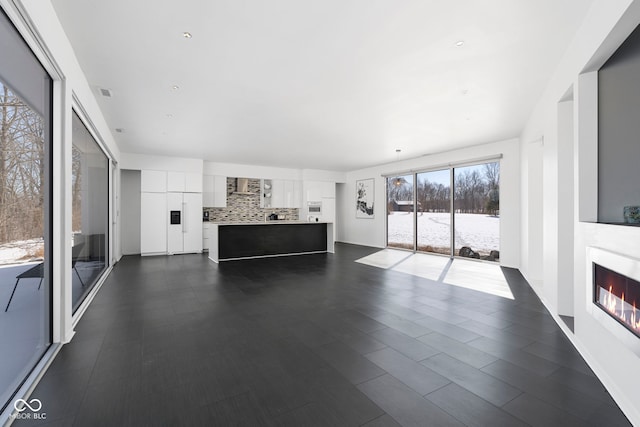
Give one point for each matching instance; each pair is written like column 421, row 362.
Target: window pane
column 90, row 211
column 400, row 212
column 477, row 211
column 25, row 285
column 434, row 211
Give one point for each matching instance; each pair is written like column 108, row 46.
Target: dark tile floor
column 314, row 340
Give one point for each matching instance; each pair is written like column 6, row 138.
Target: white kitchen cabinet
column 192, row 182
column 316, row 190
column 205, row 235
column 184, row 182
column 207, row 190
column 175, row 182
column 153, row 223
column 286, row 193
column 185, row 235
column 297, row 194
column 214, row 191
column 277, row 193
column 219, row 191
column 153, row 181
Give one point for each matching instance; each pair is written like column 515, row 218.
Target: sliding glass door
column 400, row 212
column 25, row 212
column 422, row 217
column 90, row 212
column 434, row 212
column 477, row 209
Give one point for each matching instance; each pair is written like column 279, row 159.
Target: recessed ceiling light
column 187, row 35
column 169, row 116
column 175, row 87
column 106, row 92
column 460, row 43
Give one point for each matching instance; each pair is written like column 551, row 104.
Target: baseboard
column 626, row 403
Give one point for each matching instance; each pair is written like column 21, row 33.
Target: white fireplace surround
column 622, row 264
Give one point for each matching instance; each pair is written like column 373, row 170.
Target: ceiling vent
column 105, row 92
column 119, row 130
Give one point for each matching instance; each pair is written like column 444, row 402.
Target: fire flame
column 610, row 303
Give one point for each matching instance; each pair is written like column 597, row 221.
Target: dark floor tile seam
column 392, row 347
column 479, row 397
column 440, row 388
column 373, row 378
column 386, row 414
column 511, row 400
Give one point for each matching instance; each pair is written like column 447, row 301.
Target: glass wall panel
column 90, row 212
column 400, row 212
column 25, row 200
column 477, row 211
column 434, row 211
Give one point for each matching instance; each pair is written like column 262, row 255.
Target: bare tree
column 22, row 167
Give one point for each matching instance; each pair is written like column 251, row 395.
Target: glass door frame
column 414, row 173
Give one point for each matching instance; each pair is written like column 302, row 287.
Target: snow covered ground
column 480, row 232
column 21, row 251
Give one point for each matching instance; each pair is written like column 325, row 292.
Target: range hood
column 242, row 186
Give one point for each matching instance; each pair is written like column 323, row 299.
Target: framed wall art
column 365, row 198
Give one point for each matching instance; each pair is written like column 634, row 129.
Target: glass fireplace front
column 619, row 296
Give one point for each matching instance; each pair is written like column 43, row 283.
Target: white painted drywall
column 605, row 27
column 130, row 183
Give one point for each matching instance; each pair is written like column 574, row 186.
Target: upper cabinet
column 175, row 182
column 214, row 191
column 317, row 190
column 153, row 181
column 192, row 182
column 286, row 193
column 184, row 182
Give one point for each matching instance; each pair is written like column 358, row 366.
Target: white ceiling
column 331, row 84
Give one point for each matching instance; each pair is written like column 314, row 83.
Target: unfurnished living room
column 336, row 213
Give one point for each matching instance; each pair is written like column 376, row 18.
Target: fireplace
column 618, row 296
column 613, row 294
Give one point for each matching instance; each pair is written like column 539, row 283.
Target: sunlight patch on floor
column 423, row 265
column 385, row 258
column 478, row 276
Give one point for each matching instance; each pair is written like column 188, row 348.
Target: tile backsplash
column 246, row 207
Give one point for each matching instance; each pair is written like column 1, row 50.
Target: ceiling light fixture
column 398, row 181
column 169, row 116
column 460, row 43
column 187, row 35
column 106, row 92
column 175, row 87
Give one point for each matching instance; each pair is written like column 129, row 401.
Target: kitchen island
column 231, row 241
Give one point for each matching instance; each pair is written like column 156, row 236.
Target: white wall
column 131, row 210
column 371, row 232
column 548, row 262
column 161, row 163
column 269, row 172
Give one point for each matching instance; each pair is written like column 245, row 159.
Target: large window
column 90, row 212
column 435, row 216
column 25, row 202
column 434, row 211
column 400, row 212
column 477, row 208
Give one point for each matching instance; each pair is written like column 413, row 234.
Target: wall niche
column 619, row 135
